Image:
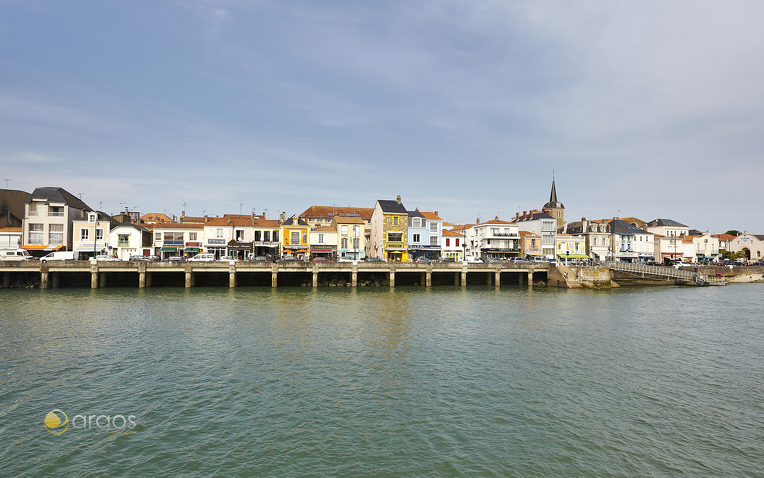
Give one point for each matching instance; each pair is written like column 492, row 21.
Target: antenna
column 6, row 183
column 80, row 194
column 100, row 205
column 239, row 209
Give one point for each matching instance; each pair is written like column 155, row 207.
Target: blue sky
column 650, row 108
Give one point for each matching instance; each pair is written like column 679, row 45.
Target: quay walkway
column 666, row 272
column 51, row 274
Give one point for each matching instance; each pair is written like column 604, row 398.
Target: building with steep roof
column 295, row 237
column 453, row 245
column 631, row 243
column 155, row 218
column 542, row 224
column 389, row 231
column 90, row 235
column 48, row 216
column 554, row 207
column 323, row 241
column 317, row 216
column 667, row 227
column 12, row 207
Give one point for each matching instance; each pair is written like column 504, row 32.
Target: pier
column 140, row 274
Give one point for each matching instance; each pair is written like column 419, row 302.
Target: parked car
column 346, row 259
column 423, row 259
column 58, row 256
column 374, row 259
column 205, row 257
column 321, row 259
column 228, row 258
column 175, row 258
column 152, row 258
column 106, row 257
column 448, row 259
column 474, row 260
column 491, row 259
column 518, row 260
column 289, row 258
column 15, row 255
column 258, row 258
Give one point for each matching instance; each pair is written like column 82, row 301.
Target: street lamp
column 95, row 235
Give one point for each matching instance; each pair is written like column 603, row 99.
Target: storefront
column 240, row 250
column 427, row 252
column 396, row 254
column 192, row 249
column 297, row 251
column 329, row 252
column 217, row 247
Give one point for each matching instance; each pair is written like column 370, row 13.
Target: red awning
column 42, row 248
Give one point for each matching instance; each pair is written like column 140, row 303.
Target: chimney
column 477, row 221
column 399, row 199
column 206, row 218
column 228, row 220
column 497, row 218
column 525, row 214
column 436, row 213
column 182, row 214
column 531, row 216
column 282, row 217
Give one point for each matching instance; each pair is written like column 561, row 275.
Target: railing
column 661, row 271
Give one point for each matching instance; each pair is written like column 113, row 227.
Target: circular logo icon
column 56, row 422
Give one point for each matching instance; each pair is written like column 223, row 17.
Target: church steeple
column 553, row 196
column 554, row 207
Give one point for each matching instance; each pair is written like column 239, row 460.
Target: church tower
column 554, row 207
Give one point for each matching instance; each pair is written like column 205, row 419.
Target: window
column 594, row 241
column 416, row 222
column 457, row 243
column 344, row 243
column 494, row 231
column 356, row 231
column 416, row 238
column 239, row 235
column 395, row 220
column 84, row 234
column 219, row 233
column 92, row 217
column 294, row 237
column 33, row 209
column 191, row 236
column 275, row 236
column 267, row 236
column 344, row 230
column 394, row 236
column 433, row 240
column 99, row 234
column 433, row 227
column 258, row 236
column 355, row 243
column 533, row 243
column 448, row 242
column 56, row 234
column 158, row 236
column 123, row 240
column 320, row 238
column 35, row 233
column 57, row 211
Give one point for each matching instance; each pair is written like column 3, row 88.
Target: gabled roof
column 415, row 214
column 326, row 228
column 134, row 226
column 431, row 215
column 348, row 220
column 289, row 221
column 622, row 227
column 534, row 215
column 154, row 217
column 334, row 211
column 448, row 233
column 495, row 221
column 58, row 195
column 724, row 237
column 12, row 201
column 176, row 225
column 392, row 206
column 665, row 223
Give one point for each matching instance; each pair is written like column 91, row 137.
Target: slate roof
column 553, row 202
column 664, row 222
column 416, row 214
column 288, row 222
column 12, row 201
column 58, row 195
column 536, row 215
column 392, row 206
column 334, row 211
column 623, row 227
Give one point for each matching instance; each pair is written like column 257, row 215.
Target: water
column 481, row 381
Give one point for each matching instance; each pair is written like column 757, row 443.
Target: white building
column 128, row 239
column 496, row 238
column 667, row 227
column 543, row 225
column 323, row 241
column 48, row 218
column 453, row 245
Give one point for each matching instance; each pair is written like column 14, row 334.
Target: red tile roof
column 331, row 211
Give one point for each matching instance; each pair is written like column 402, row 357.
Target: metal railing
column 660, row 271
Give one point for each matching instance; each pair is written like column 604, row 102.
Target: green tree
column 732, row 232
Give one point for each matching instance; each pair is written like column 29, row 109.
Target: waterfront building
column 530, row 244
column 497, row 239
column 541, row 224
column 752, row 245
column 267, row 237
column 48, row 216
column 668, row 249
column 554, row 207
column 12, row 207
column 230, row 235
column 351, row 237
column 596, row 235
column 90, row 235
column 453, row 245
column 389, row 231
column 175, row 239
column 130, row 239
column 667, row 227
column 434, row 241
column 571, row 247
column 704, row 248
column 295, row 236
column 631, row 243
column 317, row 216
column 418, row 242
column 724, row 241
column 323, row 242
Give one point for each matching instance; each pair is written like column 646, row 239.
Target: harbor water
column 406, row 381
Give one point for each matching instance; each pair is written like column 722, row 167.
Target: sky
column 642, row 108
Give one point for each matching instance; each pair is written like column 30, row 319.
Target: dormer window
column 92, row 217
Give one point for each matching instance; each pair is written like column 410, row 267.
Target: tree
column 732, row 232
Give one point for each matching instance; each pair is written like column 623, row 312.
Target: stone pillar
column 189, row 276
column 54, row 280
column 43, row 275
column 456, row 278
column 354, row 275
column 141, row 275
column 6, row 279
column 93, row 274
column 392, row 277
column 428, row 277
column 530, row 276
column 464, row 275
column 275, row 275
column 102, row 280
column 231, row 275
column 315, row 278
column 489, row 279
column 497, row 277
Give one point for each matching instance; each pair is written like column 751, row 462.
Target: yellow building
column 571, row 247
column 295, row 235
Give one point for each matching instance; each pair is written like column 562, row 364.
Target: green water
column 514, row 381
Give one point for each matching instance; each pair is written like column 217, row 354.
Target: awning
column 321, row 251
column 573, row 256
column 168, row 249
column 300, row 251
column 42, row 248
column 192, row 249
column 241, row 246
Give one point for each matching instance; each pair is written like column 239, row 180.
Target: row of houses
column 52, row 219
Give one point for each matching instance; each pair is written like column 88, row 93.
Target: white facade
column 91, row 236
column 128, row 239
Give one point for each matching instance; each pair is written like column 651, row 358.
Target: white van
column 203, row 258
column 14, row 255
column 58, row 256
